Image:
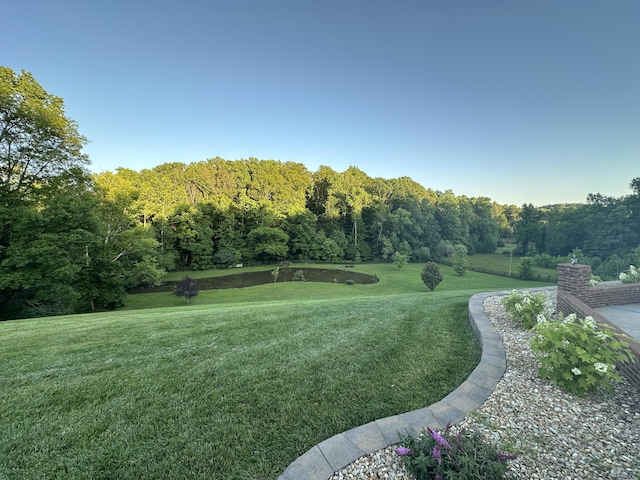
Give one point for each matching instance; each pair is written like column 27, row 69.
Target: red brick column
column 574, row 279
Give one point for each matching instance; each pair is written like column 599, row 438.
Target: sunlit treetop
column 37, row 140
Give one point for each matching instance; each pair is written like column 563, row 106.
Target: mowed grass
column 226, row 389
column 497, row 262
column 393, row 281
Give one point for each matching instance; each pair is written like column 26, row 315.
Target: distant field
column 501, row 263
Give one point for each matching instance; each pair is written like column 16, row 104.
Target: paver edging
column 335, row 453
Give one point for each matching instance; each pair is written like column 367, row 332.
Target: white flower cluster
column 631, row 275
column 571, row 318
column 589, row 322
column 594, row 281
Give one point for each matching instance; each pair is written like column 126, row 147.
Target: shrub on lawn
column 187, row 288
column 431, row 275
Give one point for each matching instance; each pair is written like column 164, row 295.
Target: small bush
column 399, row 259
column 225, row 257
column 466, row 455
column 431, row 275
column 350, row 282
column 444, row 249
column 421, row 254
column 187, row 288
column 578, row 355
column 275, row 273
column 525, row 272
column 525, row 308
column 298, row 276
column 544, row 260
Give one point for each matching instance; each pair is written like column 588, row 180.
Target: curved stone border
column 335, row 453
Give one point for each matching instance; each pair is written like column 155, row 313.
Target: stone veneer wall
column 575, row 295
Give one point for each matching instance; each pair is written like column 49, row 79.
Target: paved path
column 625, row 317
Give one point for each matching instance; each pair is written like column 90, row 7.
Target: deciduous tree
column 37, row 140
column 46, row 217
column 269, row 244
column 459, row 259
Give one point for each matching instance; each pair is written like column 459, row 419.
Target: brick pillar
column 574, row 279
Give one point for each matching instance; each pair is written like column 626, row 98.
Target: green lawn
column 234, row 386
column 498, row 262
column 393, row 281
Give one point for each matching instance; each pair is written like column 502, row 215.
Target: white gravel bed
column 557, row 435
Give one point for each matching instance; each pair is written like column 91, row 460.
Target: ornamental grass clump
column 525, row 307
column 448, row 456
column 579, row 355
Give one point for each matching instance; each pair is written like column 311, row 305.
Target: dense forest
column 71, row 241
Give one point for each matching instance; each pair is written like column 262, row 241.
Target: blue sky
column 520, row 101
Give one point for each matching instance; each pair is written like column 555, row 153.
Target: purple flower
column 438, row 438
column 403, row 451
column 438, row 477
column 436, row 453
column 503, row 457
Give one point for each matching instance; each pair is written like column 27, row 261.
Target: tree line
column 218, row 213
column 604, row 232
column 71, row 241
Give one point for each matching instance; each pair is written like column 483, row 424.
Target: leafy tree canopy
column 37, row 141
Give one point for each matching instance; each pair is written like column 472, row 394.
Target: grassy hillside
column 235, row 386
column 501, row 263
column 393, row 281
